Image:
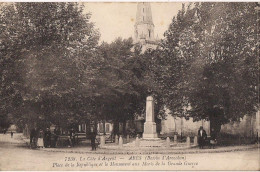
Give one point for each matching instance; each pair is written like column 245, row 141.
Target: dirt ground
column 16, row 156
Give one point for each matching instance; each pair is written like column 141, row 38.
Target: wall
column 183, row 126
column 248, row 126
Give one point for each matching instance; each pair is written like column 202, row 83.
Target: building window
column 101, row 128
column 143, row 18
column 149, row 31
column 107, row 128
column 84, row 127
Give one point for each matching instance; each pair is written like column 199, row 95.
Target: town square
column 129, row 86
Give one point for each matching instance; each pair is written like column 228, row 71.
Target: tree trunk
column 116, row 127
column 124, row 127
column 215, row 124
column 104, row 127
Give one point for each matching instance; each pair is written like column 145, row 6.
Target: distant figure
column 40, row 139
column 56, row 133
column 47, row 138
column 72, row 135
column 12, row 134
column 213, row 138
column 93, row 139
column 4, row 131
column 33, row 138
column 202, row 135
column 32, row 135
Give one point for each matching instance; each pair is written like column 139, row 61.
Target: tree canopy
column 54, row 71
column 207, row 64
column 45, row 48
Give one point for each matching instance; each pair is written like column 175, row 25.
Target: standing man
column 33, row 138
column 202, row 135
column 12, row 133
column 47, row 138
column 72, row 137
column 56, row 135
column 32, row 135
column 93, row 138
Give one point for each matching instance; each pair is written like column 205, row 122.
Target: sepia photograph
column 116, row 86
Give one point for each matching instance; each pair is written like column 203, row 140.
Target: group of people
column 43, row 138
column 48, row 139
column 11, row 133
column 202, row 138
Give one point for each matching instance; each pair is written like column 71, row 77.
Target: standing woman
column 40, row 139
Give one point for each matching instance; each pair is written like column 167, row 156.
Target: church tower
column 144, row 27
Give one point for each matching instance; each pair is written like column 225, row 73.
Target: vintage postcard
column 129, row 86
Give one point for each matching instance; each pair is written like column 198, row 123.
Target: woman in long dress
column 40, row 140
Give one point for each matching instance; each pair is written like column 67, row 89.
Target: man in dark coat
column 56, row 133
column 72, row 138
column 32, row 134
column 93, row 139
column 34, row 138
column 47, row 138
column 202, row 135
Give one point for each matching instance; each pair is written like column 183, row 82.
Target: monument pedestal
column 150, row 125
column 150, row 130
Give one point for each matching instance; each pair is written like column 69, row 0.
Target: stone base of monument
column 150, row 130
column 150, row 138
column 155, row 143
column 148, row 144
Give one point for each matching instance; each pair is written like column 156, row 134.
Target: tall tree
column 119, row 87
column 207, row 64
column 45, row 48
column 121, row 84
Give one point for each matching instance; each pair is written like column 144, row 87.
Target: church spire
column 144, row 27
column 144, row 13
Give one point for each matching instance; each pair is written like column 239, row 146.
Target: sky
column 114, row 19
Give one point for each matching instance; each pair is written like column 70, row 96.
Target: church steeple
column 144, row 27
